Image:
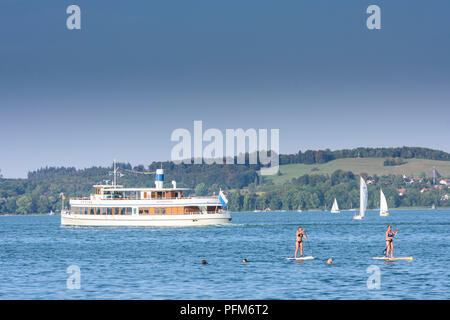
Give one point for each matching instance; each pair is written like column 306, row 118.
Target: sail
column 434, row 174
column 335, row 207
column 383, row 203
column 363, row 198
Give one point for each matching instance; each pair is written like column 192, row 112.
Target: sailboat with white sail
column 335, row 207
column 383, row 205
column 363, row 195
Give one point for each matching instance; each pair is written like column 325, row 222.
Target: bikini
column 390, row 235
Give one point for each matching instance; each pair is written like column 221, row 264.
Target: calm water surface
column 165, row 263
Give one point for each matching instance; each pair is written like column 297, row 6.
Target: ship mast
column 115, row 172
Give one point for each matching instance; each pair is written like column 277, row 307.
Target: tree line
column 323, row 156
column 317, row 192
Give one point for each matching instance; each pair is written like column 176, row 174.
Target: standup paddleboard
column 302, row 258
column 393, row 259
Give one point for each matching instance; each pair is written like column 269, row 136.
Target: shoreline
column 277, row 211
column 26, row 215
column 352, row 210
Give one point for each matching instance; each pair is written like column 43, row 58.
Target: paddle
column 307, row 239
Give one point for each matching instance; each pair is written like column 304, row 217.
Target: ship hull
column 145, row 221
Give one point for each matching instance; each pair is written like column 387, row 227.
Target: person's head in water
column 330, row 261
column 389, row 227
column 300, row 228
column 244, row 260
column 204, row 262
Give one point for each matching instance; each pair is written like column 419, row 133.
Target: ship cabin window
column 122, row 211
column 117, row 195
column 170, row 195
column 129, row 211
column 91, row 210
column 153, row 195
column 159, row 195
column 146, row 211
column 157, row 210
column 97, row 211
column 113, row 195
column 141, row 211
column 103, row 211
column 163, row 211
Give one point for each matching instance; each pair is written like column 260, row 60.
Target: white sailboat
column 335, row 207
column 383, row 205
column 362, row 200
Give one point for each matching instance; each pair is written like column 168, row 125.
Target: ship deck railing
column 134, row 198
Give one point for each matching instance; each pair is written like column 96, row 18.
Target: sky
column 136, row 71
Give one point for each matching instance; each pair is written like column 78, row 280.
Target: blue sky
column 138, row 70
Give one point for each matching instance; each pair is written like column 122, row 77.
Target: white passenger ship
column 114, row 205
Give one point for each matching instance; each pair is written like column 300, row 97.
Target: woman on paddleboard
column 390, row 241
column 299, row 241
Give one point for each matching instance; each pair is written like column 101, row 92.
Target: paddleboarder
column 299, row 241
column 390, row 241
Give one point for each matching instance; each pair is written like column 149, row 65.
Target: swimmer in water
column 390, row 241
column 299, row 241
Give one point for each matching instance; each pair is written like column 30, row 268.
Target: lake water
column 165, row 263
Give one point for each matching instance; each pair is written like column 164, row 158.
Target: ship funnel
column 159, row 179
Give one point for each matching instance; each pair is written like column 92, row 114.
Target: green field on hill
column 371, row 166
